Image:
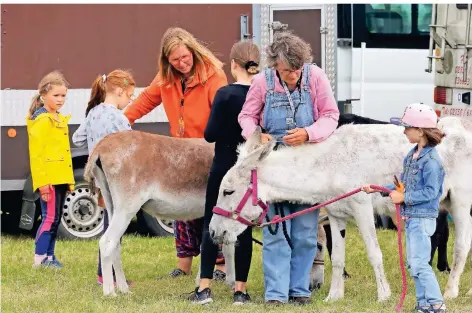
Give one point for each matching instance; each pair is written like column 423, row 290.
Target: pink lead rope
column 252, row 193
column 278, row 219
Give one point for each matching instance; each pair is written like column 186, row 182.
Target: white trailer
column 450, row 51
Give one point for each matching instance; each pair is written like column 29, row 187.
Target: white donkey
column 353, row 156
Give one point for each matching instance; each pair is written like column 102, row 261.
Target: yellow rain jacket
column 49, row 150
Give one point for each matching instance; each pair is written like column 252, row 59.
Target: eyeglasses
column 288, row 72
column 184, row 58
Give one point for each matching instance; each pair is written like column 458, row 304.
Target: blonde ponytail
column 36, row 103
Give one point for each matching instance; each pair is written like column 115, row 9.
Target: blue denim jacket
column 423, row 179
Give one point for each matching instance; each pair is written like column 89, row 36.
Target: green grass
column 73, row 289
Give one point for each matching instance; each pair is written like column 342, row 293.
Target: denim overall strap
column 269, row 76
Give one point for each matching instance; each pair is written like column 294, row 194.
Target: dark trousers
column 209, row 250
column 51, row 213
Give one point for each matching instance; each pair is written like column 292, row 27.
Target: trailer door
column 304, row 21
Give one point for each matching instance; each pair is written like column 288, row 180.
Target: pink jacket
column 324, row 105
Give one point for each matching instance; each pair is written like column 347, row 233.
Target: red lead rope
column 277, row 219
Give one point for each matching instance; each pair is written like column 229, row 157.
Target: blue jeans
column 287, row 271
column 418, row 247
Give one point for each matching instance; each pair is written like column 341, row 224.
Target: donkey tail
column 89, row 169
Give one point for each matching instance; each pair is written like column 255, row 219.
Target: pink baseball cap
column 418, row 115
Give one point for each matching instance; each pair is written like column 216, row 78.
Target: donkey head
column 233, row 188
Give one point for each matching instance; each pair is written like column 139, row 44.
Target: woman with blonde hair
column 188, row 78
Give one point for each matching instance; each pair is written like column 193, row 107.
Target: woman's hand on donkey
column 296, row 136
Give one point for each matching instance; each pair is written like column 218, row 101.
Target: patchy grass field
column 74, row 289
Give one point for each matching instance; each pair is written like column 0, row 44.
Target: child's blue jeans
column 418, row 247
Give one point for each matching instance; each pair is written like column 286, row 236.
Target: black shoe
column 419, row 309
column 201, row 297
column 219, row 275
column 240, row 298
column 299, row 300
column 177, row 273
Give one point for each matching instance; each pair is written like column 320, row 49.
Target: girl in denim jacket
column 423, row 176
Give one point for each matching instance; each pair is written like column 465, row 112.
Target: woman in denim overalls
column 293, row 102
column 423, row 176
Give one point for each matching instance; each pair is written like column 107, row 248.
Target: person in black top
column 223, row 129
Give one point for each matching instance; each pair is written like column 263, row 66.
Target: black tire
column 11, row 211
column 82, row 217
column 154, row 227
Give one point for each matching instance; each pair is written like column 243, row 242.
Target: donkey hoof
column 124, row 289
column 451, row 293
column 334, row 296
column 383, row 298
column 110, row 294
column 314, row 287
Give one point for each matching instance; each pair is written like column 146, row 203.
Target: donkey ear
column 267, row 148
column 254, row 140
column 259, row 154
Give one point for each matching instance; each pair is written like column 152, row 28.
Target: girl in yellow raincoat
column 50, row 161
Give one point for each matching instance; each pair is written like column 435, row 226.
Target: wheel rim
column 167, row 225
column 82, row 217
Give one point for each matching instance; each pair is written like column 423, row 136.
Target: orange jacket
column 197, row 101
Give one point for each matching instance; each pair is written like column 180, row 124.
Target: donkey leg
column 123, row 221
column 469, row 293
column 317, row 270
column 365, row 221
column 108, row 251
column 107, row 247
column 329, row 244
column 228, row 252
column 462, row 221
column 442, row 230
column 336, row 290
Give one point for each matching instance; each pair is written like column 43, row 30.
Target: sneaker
column 274, row 302
column 176, row 273
column 441, row 309
column 100, row 281
column 54, row 263
column 219, row 275
column 201, row 297
column 240, row 298
column 300, row 300
column 420, row 309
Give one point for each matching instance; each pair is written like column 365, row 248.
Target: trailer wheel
column 153, row 226
column 82, row 217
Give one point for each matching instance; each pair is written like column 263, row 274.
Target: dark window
column 402, row 26
column 461, row 6
column 344, row 21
